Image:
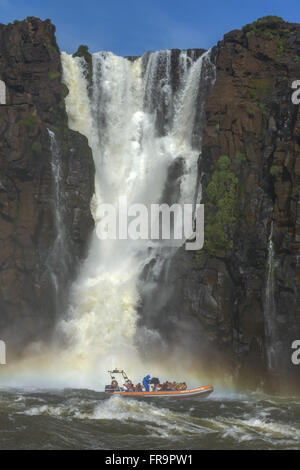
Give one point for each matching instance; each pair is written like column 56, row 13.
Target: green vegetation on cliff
column 37, row 147
column 52, row 46
column 54, row 75
column 260, row 89
column 274, row 170
column 30, row 123
column 220, row 205
column 265, row 20
column 269, row 28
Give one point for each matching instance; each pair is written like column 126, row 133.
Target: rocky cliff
column 237, row 301
column 43, row 235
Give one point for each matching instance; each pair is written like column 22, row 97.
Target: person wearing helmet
column 146, row 382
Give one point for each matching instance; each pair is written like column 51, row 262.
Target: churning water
column 81, row 419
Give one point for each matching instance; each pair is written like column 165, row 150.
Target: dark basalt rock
column 215, row 304
column 31, row 68
column 83, row 51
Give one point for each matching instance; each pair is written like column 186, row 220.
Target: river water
column 85, row 419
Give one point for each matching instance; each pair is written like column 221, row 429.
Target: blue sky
column 131, row 27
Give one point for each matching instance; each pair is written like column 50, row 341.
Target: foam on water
column 242, row 425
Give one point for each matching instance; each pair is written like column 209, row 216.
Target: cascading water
column 270, row 308
column 57, row 259
column 139, row 121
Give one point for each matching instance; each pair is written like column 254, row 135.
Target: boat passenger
column 146, row 382
column 139, row 387
column 131, row 386
column 128, row 386
column 165, row 386
column 115, row 385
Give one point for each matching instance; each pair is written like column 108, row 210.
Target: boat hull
column 195, row 392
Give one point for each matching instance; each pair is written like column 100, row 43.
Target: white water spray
column 59, row 253
column 270, row 307
column 136, row 126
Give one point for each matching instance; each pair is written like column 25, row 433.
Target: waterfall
column 139, row 120
column 57, row 260
column 270, row 307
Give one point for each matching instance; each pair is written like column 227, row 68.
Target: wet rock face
column 216, row 299
column 251, row 118
column 31, row 69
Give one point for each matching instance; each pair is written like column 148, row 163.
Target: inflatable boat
column 194, row 392
column 114, row 389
